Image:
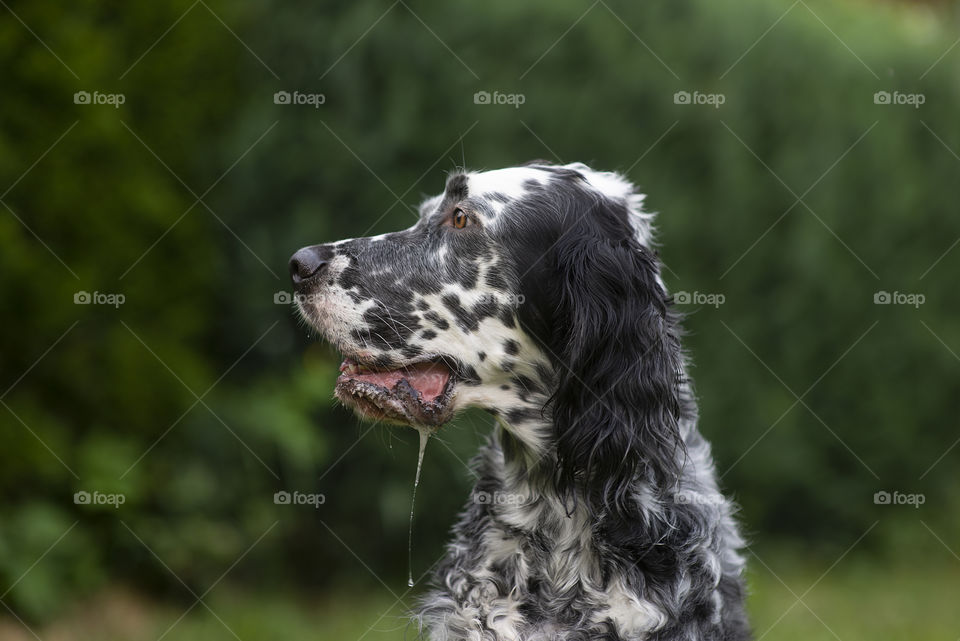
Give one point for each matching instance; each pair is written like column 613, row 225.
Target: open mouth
column 416, row 394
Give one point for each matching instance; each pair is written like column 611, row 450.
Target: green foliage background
column 200, row 397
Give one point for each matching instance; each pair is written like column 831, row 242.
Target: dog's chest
column 547, row 582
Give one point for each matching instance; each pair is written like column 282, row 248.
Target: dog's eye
column 460, row 218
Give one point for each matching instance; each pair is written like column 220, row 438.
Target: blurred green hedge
column 116, row 399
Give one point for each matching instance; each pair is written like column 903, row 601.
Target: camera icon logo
column 481, row 98
column 281, row 98
column 82, row 298
column 882, row 298
column 281, row 498
column 282, row 298
column 681, row 98
column 881, row 98
column 82, row 498
column 682, row 298
column 81, row 98
column 881, row 498
column 482, row 498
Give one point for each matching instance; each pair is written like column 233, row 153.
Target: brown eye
column 459, row 218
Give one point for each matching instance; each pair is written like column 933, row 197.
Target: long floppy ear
column 617, row 406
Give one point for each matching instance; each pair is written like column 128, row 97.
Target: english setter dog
column 535, row 293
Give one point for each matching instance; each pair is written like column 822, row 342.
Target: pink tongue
column 430, row 380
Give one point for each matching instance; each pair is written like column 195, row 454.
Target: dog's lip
column 416, row 392
column 359, row 364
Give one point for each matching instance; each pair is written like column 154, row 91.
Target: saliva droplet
column 424, row 437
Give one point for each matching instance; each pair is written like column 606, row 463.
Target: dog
column 535, row 293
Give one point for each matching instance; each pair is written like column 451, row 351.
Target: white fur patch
column 509, row 182
column 634, row 617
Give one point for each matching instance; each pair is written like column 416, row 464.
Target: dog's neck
column 525, row 441
column 517, row 474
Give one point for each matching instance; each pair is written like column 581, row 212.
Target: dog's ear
column 617, row 406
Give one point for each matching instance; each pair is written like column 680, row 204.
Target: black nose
column 309, row 262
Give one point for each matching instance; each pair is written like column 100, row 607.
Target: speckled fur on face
column 596, row 514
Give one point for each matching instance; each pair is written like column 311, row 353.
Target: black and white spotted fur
column 596, row 514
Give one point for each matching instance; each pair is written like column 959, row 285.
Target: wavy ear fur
column 617, row 406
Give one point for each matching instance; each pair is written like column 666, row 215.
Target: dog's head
column 532, row 292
